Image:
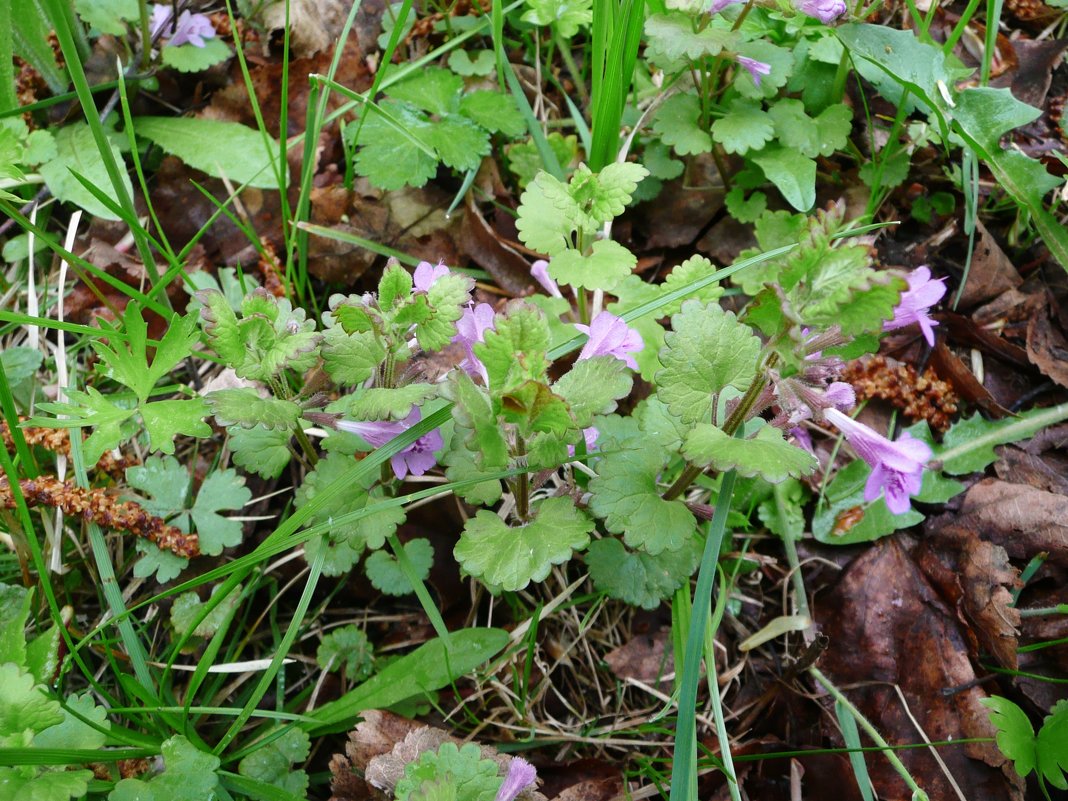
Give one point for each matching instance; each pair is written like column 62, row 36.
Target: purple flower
column 426, row 274
column 719, row 5
column 757, row 69
column 802, row 438
column 521, row 774
column 916, row 302
column 610, row 336
column 539, row 271
column 471, row 329
column 416, row 459
column 826, row 11
column 191, row 28
column 896, row 467
column 589, row 435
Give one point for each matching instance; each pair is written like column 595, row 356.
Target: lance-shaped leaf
column 510, row 558
column 593, row 386
column 639, row 578
column 708, row 351
column 767, row 454
column 626, row 496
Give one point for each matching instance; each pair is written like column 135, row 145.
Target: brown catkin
column 103, row 509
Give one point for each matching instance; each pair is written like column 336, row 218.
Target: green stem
column 717, row 704
column 1044, row 611
column 1014, row 431
column 522, row 483
column 884, row 746
column 683, row 772
column 572, row 67
column 734, row 422
column 306, row 446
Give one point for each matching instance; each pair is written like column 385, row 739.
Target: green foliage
column 524, row 161
column 672, row 42
column 30, row 718
column 189, row 775
column 245, row 408
column 273, row 762
column 107, row 16
column 845, row 518
column 218, row 147
column 566, row 16
column 552, row 213
column 477, row 429
column 167, row 487
column 767, row 454
column 637, row 577
column 706, row 351
column 188, row 605
column 1045, row 753
column 429, row 119
column 190, row 58
column 347, row 649
column 678, row 124
column 384, row 571
column 463, row 769
column 593, row 386
column 345, row 541
column 515, row 351
column 968, row 446
column 351, row 358
column 603, row 267
column 745, row 126
column 626, row 496
column 510, row 558
column 270, row 336
column 461, row 62
column 261, row 450
column 382, row 403
column 77, row 153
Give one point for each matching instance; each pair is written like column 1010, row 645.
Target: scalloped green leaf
column 512, row 557
column 707, row 351
column 767, row 455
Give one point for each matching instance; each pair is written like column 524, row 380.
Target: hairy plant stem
column 734, row 422
column 522, row 483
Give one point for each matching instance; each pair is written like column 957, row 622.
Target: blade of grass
column 683, row 767
column 851, row 737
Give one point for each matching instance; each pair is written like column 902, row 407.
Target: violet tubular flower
column 416, row 458
column 521, row 775
column 426, row 274
column 826, row 11
column 757, row 69
column 471, row 329
column 190, row 28
column 539, row 271
column 916, row 303
column 896, row 466
column 719, row 5
column 611, row 336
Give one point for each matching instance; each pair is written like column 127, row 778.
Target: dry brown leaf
column 1048, row 349
column 1023, row 520
column 480, row 243
column 648, row 658
column 887, row 626
column 991, row 273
